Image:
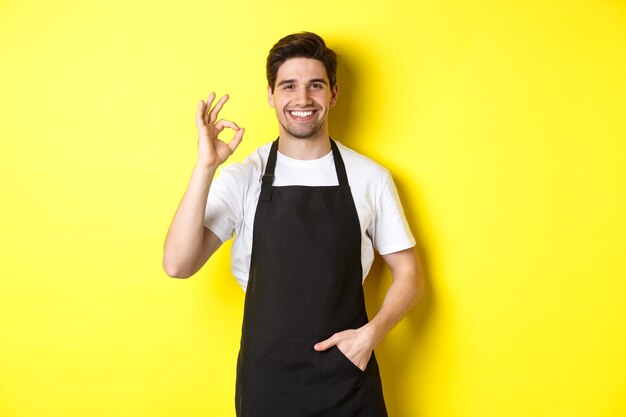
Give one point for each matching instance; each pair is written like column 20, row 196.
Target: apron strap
column 340, row 168
column 268, row 177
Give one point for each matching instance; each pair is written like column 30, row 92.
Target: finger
column 208, row 104
column 325, row 344
column 199, row 114
column 226, row 123
column 217, row 108
column 236, row 140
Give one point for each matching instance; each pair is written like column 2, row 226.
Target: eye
column 316, row 85
column 288, row 87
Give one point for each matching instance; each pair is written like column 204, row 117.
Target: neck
column 308, row 148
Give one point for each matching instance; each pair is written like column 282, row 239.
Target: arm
column 188, row 244
column 406, row 290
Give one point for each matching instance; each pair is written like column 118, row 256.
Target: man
column 307, row 213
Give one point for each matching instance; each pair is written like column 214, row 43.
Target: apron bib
column 305, row 284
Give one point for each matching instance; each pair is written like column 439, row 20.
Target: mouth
column 302, row 115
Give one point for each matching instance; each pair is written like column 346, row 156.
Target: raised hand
column 213, row 151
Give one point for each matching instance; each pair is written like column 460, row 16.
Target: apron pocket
column 344, row 359
column 292, row 379
column 339, row 385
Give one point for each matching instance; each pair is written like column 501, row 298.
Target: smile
column 302, row 115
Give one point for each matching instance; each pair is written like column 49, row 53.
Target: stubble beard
column 305, row 132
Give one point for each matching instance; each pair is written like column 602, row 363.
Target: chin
column 304, row 135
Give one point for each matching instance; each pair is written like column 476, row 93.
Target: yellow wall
column 502, row 123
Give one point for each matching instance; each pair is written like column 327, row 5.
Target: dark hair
column 301, row 45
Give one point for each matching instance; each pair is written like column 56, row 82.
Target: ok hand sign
column 212, row 151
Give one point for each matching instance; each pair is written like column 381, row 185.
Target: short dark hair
column 301, row 45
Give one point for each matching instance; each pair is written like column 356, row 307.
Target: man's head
column 302, row 85
column 301, row 45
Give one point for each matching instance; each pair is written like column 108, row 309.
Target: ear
column 270, row 97
column 334, row 92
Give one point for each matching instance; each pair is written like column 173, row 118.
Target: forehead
column 301, row 69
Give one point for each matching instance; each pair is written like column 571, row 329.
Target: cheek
column 324, row 98
column 281, row 103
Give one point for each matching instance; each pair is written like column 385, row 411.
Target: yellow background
column 501, row 122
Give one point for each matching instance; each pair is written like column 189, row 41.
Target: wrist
column 205, row 169
column 376, row 331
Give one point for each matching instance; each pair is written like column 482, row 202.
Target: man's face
column 302, row 98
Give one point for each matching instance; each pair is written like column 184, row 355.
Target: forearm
column 405, row 292
column 183, row 243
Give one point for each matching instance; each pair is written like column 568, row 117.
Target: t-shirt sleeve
column 224, row 212
column 391, row 232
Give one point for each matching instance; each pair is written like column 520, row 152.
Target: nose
column 303, row 97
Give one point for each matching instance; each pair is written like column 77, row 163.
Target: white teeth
column 301, row 113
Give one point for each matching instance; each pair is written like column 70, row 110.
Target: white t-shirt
column 234, row 194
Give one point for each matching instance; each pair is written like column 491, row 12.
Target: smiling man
column 302, row 104
column 307, row 214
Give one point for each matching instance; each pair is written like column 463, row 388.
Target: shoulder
column 362, row 166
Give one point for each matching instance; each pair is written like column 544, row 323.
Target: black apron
column 305, row 284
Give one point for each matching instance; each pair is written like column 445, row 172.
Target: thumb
column 236, row 140
column 325, row 344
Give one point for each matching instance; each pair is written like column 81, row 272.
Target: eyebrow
column 314, row 80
